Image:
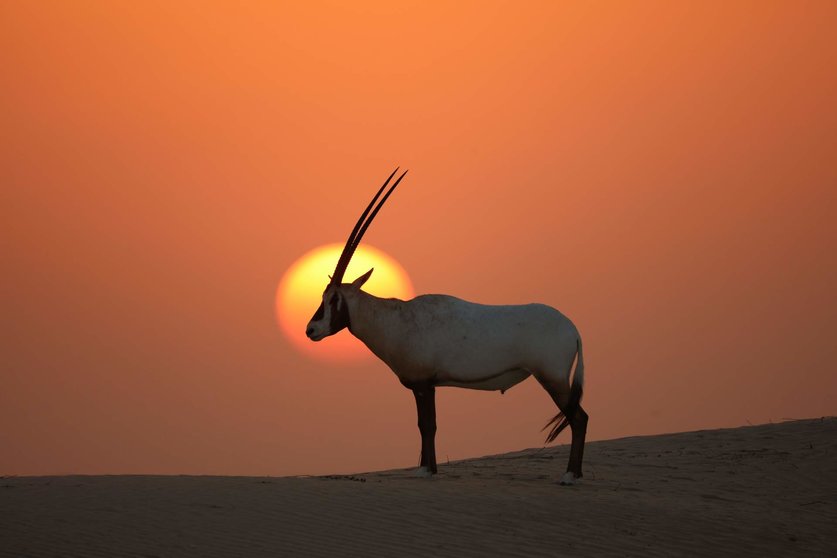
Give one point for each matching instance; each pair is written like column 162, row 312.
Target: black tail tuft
column 560, row 421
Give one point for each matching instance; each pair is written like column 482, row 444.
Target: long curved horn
column 343, row 262
column 360, row 228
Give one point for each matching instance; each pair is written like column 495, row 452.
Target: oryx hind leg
column 578, row 424
column 571, row 414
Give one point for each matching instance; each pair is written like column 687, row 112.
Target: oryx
column 440, row 340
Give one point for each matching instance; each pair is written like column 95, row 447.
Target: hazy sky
column 664, row 174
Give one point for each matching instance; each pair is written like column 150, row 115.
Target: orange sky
column 664, row 174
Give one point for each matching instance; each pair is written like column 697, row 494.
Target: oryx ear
column 358, row 283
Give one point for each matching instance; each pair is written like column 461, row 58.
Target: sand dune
column 750, row 491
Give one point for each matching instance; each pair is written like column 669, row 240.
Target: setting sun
column 301, row 289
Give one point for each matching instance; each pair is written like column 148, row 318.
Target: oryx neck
column 369, row 317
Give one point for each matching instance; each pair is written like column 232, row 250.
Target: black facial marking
column 339, row 316
column 318, row 315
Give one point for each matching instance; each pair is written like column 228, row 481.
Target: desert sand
column 768, row 490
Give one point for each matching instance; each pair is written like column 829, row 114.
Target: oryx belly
column 501, row 381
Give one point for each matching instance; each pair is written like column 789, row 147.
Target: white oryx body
column 440, row 340
column 452, row 342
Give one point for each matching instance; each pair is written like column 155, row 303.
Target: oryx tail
column 560, row 421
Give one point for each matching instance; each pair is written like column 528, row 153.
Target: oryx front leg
column 425, row 395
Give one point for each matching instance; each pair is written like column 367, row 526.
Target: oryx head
column 333, row 313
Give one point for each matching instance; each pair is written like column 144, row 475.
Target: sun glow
column 301, row 288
